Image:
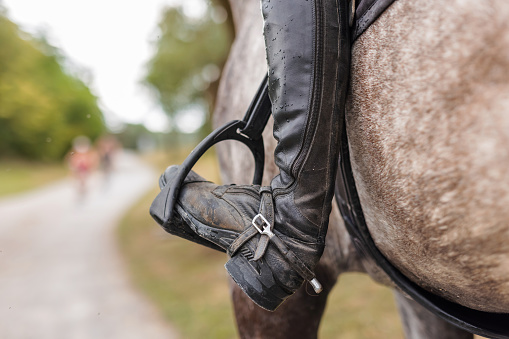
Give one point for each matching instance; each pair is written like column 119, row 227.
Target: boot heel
column 255, row 278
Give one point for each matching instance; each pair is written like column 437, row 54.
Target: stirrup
column 248, row 131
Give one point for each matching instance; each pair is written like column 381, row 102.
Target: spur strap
column 267, row 210
column 263, row 224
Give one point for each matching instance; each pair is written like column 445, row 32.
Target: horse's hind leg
column 298, row 317
column 419, row 323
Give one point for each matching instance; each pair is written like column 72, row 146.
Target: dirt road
column 61, row 275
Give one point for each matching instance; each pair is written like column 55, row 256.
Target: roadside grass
column 358, row 308
column 189, row 285
column 187, row 282
column 17, row 176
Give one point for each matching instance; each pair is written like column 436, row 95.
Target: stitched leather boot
column 275, row 235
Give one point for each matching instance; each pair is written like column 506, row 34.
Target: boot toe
column 205, row 213
column 168, row 174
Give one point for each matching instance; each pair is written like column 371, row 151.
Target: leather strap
column 258, row 113
column 267, row 210
column 297, row 264
column 241, row 240
column 366, row 12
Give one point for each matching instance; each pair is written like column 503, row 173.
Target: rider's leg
column 308, row 59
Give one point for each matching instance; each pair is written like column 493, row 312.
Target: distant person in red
column 82, row 161
column 106, row 147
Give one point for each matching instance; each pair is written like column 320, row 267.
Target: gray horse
column 428, row 122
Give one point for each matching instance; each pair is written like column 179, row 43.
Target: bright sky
column 113, row 39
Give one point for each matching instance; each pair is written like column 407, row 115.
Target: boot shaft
column 275, row 235
column 307, row 88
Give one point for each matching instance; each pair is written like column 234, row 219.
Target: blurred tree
column 42, row 107
column 131, row 135
column 191, row 52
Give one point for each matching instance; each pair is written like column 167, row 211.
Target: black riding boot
column 276, row 235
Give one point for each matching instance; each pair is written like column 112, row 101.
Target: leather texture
column 308, row 55
column 307, row 82
column 221, row 217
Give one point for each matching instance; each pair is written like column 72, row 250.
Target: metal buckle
column 266, row 225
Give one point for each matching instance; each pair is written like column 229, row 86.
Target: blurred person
column 82, row 160
column 107, row 146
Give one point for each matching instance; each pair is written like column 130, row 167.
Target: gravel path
column 61, row 275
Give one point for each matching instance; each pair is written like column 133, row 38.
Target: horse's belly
column 428, row 122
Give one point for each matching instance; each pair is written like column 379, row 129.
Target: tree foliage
column 190, row 52
column 42, row 106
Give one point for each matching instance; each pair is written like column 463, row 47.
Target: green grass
column 359, row 308
column 17, row 176
column 189, row 284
